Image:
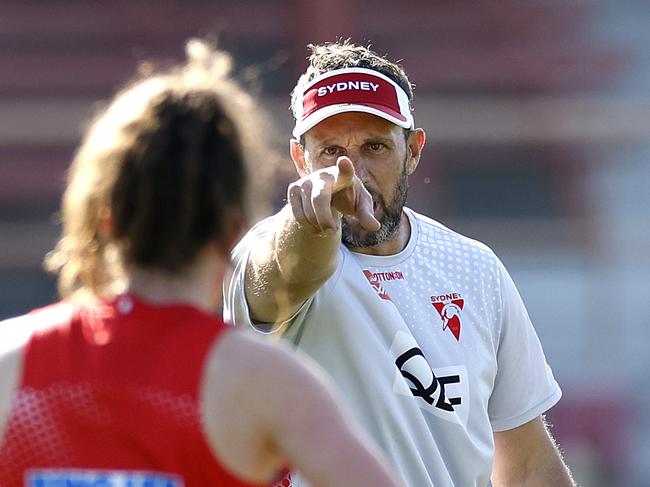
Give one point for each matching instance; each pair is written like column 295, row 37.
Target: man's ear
column 416, row 141
column 298, row 157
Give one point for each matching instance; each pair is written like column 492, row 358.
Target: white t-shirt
column 432, row 349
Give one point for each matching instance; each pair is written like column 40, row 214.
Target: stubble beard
column 355, row 236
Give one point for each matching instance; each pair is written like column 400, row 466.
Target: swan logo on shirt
column 443, row 391
column 449, row 307
column 375, row 279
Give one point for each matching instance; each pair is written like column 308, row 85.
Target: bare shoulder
column 268, row 378
column 266, row 363
column 245, row 397
column 275, row 406
column 293, row 396
column 14, row 334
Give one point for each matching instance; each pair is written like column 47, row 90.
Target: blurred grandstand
column 538, row 122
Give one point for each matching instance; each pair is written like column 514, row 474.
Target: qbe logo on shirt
column 100, row 478
column 443, row 391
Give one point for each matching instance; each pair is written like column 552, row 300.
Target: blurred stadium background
column 538, row 122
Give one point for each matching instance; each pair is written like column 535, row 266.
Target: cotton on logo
column 443, row 391
column 375, row 282
column 449, row 307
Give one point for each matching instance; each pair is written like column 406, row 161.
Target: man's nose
column 359, row 165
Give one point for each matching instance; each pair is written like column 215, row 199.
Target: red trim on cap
column 353, row 88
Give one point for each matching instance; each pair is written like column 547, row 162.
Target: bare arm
column 301, row 254
column 276, row 409
column 527, row 456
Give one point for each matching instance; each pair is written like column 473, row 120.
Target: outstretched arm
column 296, row 259
column 527, row 456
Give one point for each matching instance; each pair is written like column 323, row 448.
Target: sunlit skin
column 382, row 158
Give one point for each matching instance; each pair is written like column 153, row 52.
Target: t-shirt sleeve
column 524, row 386
column 235, row 307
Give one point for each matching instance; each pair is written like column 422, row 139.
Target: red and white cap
column 351, row 90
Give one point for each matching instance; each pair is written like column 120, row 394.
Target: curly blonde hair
column 166, row 160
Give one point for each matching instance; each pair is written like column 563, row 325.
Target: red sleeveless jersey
column 109, row 396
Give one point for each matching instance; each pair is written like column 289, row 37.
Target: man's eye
column 331, row 151
column 376, row 146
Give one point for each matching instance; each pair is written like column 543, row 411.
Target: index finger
column 364, row 211
column 344, row 176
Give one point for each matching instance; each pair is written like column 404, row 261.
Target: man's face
column 379, row 152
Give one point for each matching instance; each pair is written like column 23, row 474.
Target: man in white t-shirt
column 421, row 328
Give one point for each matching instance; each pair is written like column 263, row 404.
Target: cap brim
column 373, row 109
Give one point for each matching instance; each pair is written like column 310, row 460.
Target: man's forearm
column 528, row 456
column 550, row 474
column 302, row 253
column 286, row 270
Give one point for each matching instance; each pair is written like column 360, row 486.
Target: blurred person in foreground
column 421, row 328
column 131, row 380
